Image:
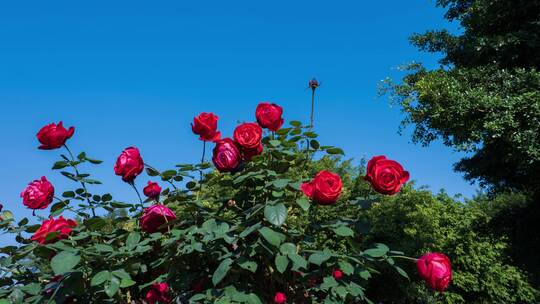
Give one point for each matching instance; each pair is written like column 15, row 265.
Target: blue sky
column 135, row 73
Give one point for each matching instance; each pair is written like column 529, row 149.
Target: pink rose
column 54, row 136
column 226, row 155
column 129, row 164
column 38, row 194
column 435, row 269
column 280, row 298
column 156, row 216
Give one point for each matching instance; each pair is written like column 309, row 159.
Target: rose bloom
column 280, row 298
column 435, row 269
column 159, row 292
column 324, row 189
column 205, row 125
column 61, row 225
column 386, row 176
column 54, row 136
column 248, row 135
column 154, row 217
column 129, row 164
column 249, row 153
column 337, row 274
column 313, row 84
column 226, row 155
column 152, row 190
column 38, row 194
column 269, row 116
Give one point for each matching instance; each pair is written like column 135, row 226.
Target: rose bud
column 1, row 207
column 129, row 164
column 231, row 203
column 386, row 176
column 324, row 189
column 435, row 269
column 38, row 194
column 156, row 216
column 54, row 136
column 61, row 225
column 152, row 190
column 226, row 155
column 269, row 116
column 337, row 274
column 159, row 292
column 280, row 298
column 205, row 125
column 313, row 84
column 248, row 154
column 248, row 135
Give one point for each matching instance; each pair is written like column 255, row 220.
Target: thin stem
column 312, row 107
column 403, row 257
column 132, row 183
column 200, row 170
column 82, row 183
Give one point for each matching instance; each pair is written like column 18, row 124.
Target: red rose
column 337, row 274
column 248, row 135
column 205, row 125
column 249, row 153
column 435, row 269
column 156, row 216
column 325, row 188
column 159, row 292
column 226, row 156
column 152, row 190
column 54, row 136
column 38, row 194
column 129, row 164
column 60, row 225
column 269, row 116
column 386, row 176
column 280, row 298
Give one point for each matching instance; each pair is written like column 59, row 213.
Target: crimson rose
column 337, row 274
column 325, row 188
column 159, row 292
column 249, row 153
column 248, row 135
column 152, row 190
column 154, row 217
column 269, row 116
column 60, row 225
column 226, row 155
column 435, row 269
column 386, row 176
column 280, row 298
column 53, row 136
column 205, row 125
column 38, row 194
column 129, row 164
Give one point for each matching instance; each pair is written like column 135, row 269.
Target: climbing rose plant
column 227, row 234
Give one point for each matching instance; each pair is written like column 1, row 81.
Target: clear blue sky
column 136, row 72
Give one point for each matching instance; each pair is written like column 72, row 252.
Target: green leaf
column 346, row 267
column 402, row 272
column 276, row 214
column 281, row 183
column 287, row 248
column 281, row 263
column 60, row 165
column 303, row 203
column 335, row 151
column 64, row 262
column 344, row 231
column 151, row 172
column 100, row 277
column 133, row 239
column 112, row 287
column 68, row 194
column 166, row 175
column 314, row 144
column 328, row 282
column 318, row 258
column 126, row 283
column 295, row 123
column 274, row 143
column 298, row 261
column 32, row 288
column 247, row 264
column 377, row 252
column 221, row 271
column 271, row 236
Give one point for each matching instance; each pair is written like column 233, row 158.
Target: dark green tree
column 484, row 98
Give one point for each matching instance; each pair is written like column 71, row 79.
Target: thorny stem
column 82, row 183
column 132, row 183
column 403, row 257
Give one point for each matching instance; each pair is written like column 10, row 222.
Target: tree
column 484, row 98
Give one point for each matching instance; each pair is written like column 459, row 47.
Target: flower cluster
column 246, row 146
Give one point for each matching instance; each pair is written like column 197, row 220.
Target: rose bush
column 243, row 233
